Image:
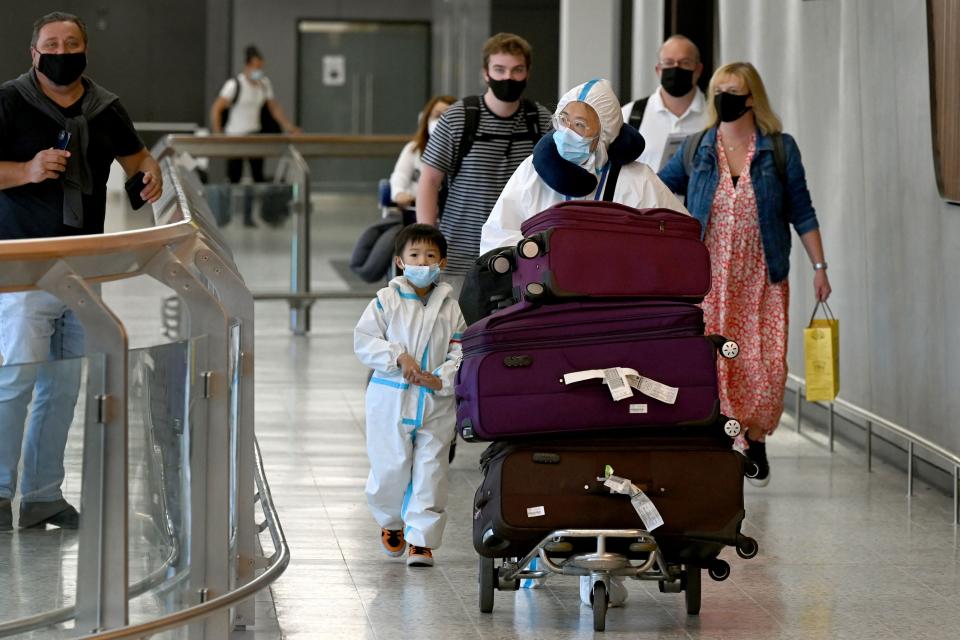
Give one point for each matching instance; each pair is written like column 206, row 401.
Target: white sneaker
column 617, row 596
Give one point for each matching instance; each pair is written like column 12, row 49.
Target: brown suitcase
column 533, row 488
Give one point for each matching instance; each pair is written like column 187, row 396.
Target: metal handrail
column 874, row 420
column 278, row 563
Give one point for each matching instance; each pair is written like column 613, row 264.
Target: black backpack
column 268, row 124
column 636, row 112
column 471, row 124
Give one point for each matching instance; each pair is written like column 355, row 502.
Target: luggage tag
column 616, row 381
column 645, row 508
column 651, row 388
column 642, row 504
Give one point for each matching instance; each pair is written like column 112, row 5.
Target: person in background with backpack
column 246, row 105
column 477, row 145
column 745, row 183
column 676, row 107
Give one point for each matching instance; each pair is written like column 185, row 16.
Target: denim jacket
column 777, row 211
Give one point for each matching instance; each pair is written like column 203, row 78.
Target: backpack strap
column 532, row 116
column 690, row 150
column 612, row 174
column 471, row 122
column 636, row 112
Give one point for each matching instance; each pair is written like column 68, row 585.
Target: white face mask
column 432, row 125
column 256, row 74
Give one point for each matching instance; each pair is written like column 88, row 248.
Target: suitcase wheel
column 529, row 248
column 535, row 290
column 691, row 589
column 598, row 598
column 719, row 570
column 747, row 547
column 500, row 264
column 729, row 349
column 732, row 428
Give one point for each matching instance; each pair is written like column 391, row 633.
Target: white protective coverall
column 526, row 193
column 409, row 427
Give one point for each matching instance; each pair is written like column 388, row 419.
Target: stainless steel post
column 830, row 427
column 869, row 445
column 797, row 409
column 909, row 468
column 300, row 248
column 102, row 549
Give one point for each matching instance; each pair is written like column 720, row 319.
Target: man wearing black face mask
column 677, row 108
column 477, row 145
column 46, row 191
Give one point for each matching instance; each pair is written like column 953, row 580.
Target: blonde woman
column 744, row 181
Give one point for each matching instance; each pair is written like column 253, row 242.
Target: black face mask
column 62, row 68
column 730, row 106
column 507, row 90
column 676, row 81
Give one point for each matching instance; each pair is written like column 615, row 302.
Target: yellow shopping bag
column 821, row 356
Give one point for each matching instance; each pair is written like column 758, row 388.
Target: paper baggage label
column 658, row 390
column 536, row 512
column 618, row 384
column 645, row 508
column 618, row 484
column 638, row 408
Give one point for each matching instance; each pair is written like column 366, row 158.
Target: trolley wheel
column 488, row 578
column 599, row 606
column 719, row 570
column 691, row 589
column 729, row 349
column 747, row 547
column 732, row 427
column 529, row 249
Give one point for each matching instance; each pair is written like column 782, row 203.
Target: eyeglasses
column 578, row 125
column 683, row 63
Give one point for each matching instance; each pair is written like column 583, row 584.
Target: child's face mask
column 421, row 276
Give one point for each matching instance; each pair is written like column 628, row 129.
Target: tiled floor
column 843, row 553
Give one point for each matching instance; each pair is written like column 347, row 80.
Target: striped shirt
column 483, row 173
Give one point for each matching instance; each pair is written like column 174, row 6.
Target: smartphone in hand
column 133, row 187
column 63, row 139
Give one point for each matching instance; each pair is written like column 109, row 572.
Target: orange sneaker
column 419, row 557
column 393, row 542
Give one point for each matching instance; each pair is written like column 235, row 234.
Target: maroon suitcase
column 511, row 380
column 530, row 489
column 603, row 249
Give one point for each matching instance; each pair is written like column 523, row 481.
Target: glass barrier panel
column 43, row 422
column 163, row 384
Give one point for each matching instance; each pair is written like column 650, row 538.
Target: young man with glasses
column 676, row 109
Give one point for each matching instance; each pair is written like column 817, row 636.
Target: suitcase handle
column 597, row 488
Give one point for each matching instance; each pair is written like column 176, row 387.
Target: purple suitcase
column 636, row 253
column 511, row 381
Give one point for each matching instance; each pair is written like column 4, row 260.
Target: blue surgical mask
column 421, row 276
column 256, row 74
column 572, row 147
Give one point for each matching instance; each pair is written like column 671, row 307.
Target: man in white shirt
column 246, row 105
column 677, row 108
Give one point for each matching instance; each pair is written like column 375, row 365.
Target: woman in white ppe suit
column 572, row 166
column 590, row 155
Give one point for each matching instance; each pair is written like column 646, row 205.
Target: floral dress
column 743, row 305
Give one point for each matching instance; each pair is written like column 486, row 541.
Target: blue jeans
column 35, row 327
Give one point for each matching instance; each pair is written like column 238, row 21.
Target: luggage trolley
column 644, row 560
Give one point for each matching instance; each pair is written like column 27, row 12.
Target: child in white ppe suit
column 410, row 336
